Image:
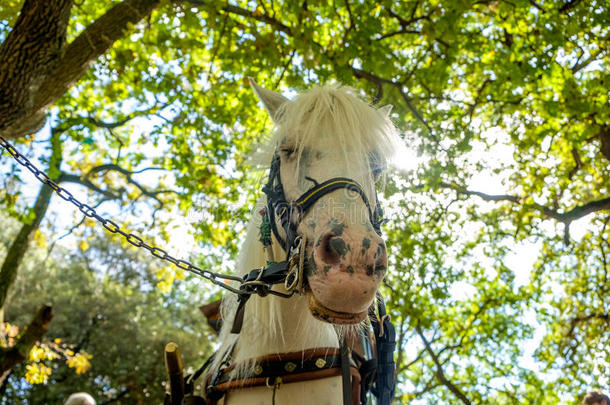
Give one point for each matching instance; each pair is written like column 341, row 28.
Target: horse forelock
column 337, row 116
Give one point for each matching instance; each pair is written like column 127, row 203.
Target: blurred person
column 596, row 397
column 82, row 398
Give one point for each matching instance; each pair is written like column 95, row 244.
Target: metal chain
column 112, row 227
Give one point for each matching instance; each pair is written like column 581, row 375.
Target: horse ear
column 386, row 110
column 270, row 99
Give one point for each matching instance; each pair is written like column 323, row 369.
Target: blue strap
column 386, row 345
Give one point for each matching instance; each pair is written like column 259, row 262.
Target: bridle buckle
column 296, row 264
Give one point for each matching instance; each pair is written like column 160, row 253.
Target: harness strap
column 311, row 196
column 345, row 374
column 288, row 213
column 385, row 338
column 258, row 280
column 310, row 364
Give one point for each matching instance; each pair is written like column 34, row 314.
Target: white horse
column 325, row 133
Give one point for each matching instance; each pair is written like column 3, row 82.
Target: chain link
column 218, row 279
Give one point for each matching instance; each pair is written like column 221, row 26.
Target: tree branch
column 574, row 322
column 74, row 178
column 72, row 229
column 581, row 65
column 31, row 50
column 399, row 32
column 570, row 4
column 361, row 74
column 108, row 194
column 404, row 24
column 565, row 217
column 18, row 353
column 440, row 374
column 267, row 19
column 578, row 162
column 351, row 22
column 78, row 56
column 477, row 99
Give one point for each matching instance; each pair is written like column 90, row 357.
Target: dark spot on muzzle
column 380, row 251
column 337, row 227
column 310, row 266
column 366, row 244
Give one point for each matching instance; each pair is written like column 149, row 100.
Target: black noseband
column 290, row 213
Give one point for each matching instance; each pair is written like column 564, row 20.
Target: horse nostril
column 332, row 249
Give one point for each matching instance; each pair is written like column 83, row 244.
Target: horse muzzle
column 343, row 275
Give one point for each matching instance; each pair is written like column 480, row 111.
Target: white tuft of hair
column 80, row 398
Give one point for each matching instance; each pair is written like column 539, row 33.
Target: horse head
column 330, row 149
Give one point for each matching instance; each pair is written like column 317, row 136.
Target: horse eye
column 377, row 173
column 287, row 152
column 377, row 170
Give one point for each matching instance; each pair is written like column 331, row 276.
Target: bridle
column 289, row 214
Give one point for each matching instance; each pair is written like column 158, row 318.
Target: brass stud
column 290, row 367
column 320, row 362
column 258, row 369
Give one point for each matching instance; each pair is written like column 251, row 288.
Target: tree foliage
column 117, row 319
column 499, row 232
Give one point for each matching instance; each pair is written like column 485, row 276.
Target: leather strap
column 345, row 374
column 385, row 339
column 310, row 364
column 311, row 196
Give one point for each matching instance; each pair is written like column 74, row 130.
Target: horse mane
column 361, row 132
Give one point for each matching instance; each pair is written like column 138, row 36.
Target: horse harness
column 289, row 214
column 361, row 374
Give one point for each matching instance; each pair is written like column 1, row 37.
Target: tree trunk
column 19, row 246
column 36, row 68
column 16, row 354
